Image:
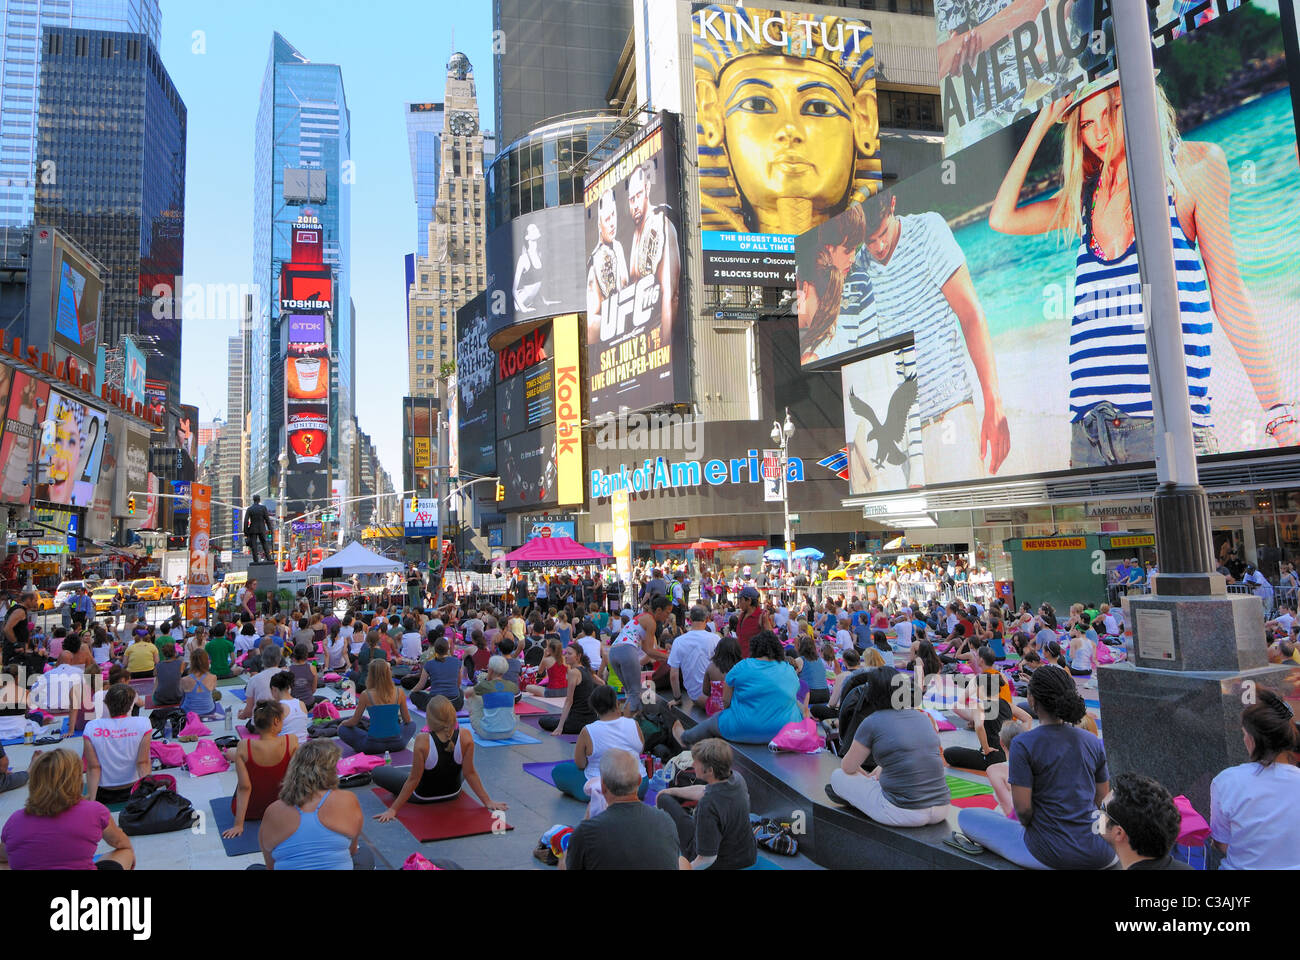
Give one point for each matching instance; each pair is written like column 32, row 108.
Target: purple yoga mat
column 542, row 771
column 533, row 722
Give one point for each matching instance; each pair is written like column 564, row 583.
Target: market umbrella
column 776, row 553
column 808, row 553
column 553, row 551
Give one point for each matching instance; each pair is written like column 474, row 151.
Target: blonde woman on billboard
column 63, row 469
column 1110, row 385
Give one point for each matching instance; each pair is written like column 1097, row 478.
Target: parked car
column 67, row 590
column 105, row 598
column 44, row 600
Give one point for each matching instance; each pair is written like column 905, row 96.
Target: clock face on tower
column 463, row 124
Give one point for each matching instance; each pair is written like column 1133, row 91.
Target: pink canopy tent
column 553, row 552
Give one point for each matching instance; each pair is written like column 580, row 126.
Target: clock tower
column 454, row 271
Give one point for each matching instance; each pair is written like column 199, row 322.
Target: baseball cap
column 749, row 593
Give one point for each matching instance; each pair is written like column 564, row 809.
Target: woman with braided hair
column 1251, row 804
column 1058, row 778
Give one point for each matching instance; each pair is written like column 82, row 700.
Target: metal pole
column 1182, row 519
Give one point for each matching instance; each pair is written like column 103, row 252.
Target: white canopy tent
column 354, row 558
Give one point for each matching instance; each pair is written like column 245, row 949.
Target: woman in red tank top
column 261, row 765
column 557, row 674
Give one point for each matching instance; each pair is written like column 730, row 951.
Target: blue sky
column 391, row 52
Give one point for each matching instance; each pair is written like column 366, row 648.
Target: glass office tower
column 112, row 132
column 424, row 122
column 20, row 82
column 303, row 124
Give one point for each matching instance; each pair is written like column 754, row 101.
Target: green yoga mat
column 966, row 788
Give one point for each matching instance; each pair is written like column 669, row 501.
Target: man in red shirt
column 752, row 618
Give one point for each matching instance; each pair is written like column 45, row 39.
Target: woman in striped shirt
column 1110, row 385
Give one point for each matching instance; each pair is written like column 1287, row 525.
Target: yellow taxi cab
column 151, row 588
column 858, row 564
column 105, row 597
column 44, row 600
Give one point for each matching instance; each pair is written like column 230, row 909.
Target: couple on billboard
column 928, row 290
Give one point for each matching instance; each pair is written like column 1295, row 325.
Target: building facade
column 454, row 270
column 20, row 83
column 112, row 130
column 557, row 58
column 302, row 169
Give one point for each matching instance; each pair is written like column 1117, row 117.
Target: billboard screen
column 307, row 328
column 1023, row 296
column 636, row 332
column 787, row 133
column 133, row 371
column 567, row 411
column 881, row 423
column 527, row 467
column 187, row 439
column 1001, row 62
column 420, row 517
column 475, row 363
column 547, row 526
column 27, row 409
column 78, row 298
column 535, row 267
column 306, row 288
column 525, row 383
column 306, row 405
column 131, row 447
column 70, row 452
column 155, row 392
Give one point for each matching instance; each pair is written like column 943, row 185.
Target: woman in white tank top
column 580, row 777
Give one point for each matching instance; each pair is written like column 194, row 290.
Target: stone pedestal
column 1199, row 660
column 266, row 576
column 1181, row 727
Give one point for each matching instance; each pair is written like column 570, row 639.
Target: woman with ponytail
column 1252, row 804
column 578, row 711
column 1058, row 779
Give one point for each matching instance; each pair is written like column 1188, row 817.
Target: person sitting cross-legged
column 391, row 726
column 442, row 762
column 719, row 835
column 629, row 835
column 580, row 777
column 313, row 825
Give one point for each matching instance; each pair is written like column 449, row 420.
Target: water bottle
column 167, row 730
column 388, row 758
column 230, row 723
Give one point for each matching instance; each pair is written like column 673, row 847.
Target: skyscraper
column 424, row 122
column 302, row 169
column 20, row 82
column 558, row 57
column 111, row 147
column 454, row 269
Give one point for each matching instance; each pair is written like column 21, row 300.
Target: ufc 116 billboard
column 636, row 336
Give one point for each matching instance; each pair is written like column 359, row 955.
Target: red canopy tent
column 553, row 552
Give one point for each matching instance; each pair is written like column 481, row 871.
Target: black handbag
column 155, row 808
column 362, row 779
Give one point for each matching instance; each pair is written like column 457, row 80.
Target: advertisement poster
column 548, row 526
column 1002, row 61
column 535, row 267
column 525, row 383
column 306, row 390
column 420, row 517
column 133, row 373
column 199, row 580
column 527, row 464
column 787, row 133
column 28, row 403
column 155, row 392
column 881, row 427
column 68, row 463
column 453, row 428
column 187, row 439
column 78, row 297
column 567, row 406
column 622, row 545
column 1024, row 302
column 132, row 473
column 635, row 325
column 474, row 381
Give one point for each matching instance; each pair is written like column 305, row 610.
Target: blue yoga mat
column 223, row 819
column 518, row 740
column 18, row 741
column 237, row 693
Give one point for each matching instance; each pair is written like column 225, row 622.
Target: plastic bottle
column 230, row 723
column 388, row 758
column 167, row 731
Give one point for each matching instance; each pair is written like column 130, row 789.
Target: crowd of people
column 742, row 667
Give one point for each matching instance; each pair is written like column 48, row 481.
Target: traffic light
column 130, row 505
column 501, row 492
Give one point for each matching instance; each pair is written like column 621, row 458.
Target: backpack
column 159, row 717
column 155, row 807
column 205, row 759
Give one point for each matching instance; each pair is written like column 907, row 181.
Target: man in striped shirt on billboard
column 911, row 277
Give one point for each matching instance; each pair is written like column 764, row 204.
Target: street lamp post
column 781, row 434
column 279, row 527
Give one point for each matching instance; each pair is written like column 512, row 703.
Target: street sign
column 794, row 518
column 329, row 517
column 28, row 555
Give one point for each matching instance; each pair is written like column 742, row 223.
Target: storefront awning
column 707, row 545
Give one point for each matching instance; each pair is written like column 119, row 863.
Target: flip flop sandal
column 959, row 841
